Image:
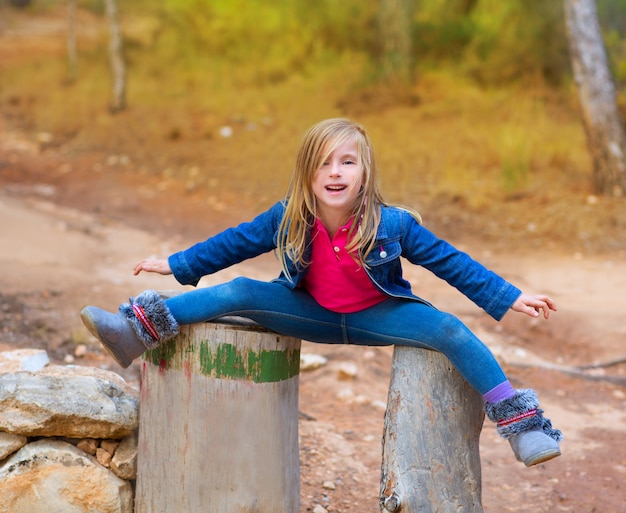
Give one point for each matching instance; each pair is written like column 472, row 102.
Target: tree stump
column 431, row 460
column 218, row 427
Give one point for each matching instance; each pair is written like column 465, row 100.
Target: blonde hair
column 301, row 207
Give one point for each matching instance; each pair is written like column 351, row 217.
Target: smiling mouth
column 335, row 188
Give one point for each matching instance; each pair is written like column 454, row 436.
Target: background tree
column 601, row 118
column 396, row 35
column 72, row 57
column 118, row 67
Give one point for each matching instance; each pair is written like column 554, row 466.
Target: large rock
column 68, row 401
column 53, row 476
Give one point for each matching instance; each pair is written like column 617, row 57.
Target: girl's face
column 336, row 184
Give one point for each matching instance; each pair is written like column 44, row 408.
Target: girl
column 340, row 245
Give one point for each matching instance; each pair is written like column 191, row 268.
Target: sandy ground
column 57, row 258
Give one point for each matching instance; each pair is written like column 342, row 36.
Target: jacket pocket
column 384, row 252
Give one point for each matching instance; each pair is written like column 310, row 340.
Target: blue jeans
column 393, row 322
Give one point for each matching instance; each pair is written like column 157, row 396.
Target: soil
column 71, row 234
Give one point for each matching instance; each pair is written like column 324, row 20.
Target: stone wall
column 67, row 437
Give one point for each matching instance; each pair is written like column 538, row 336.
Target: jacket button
column 337, row 250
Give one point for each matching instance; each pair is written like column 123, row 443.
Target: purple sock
column 503, row 391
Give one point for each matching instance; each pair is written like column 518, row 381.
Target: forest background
column 487, row 121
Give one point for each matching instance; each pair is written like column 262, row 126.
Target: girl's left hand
column 532, row 305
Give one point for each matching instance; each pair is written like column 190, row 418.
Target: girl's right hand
column 153, row 265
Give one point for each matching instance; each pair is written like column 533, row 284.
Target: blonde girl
column 340, row 244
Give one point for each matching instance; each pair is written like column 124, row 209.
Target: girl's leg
column 281, row 309
column 415, row 324
column 147, row 320
column 516, row 412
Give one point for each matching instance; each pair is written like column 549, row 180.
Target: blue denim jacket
column 399, row 235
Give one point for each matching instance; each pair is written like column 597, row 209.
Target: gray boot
column 143, row 323
column 534, row 447
column 520, row 421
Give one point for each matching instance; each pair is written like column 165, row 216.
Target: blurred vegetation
column 491, row 116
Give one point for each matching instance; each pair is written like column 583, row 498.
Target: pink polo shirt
column 337, row 281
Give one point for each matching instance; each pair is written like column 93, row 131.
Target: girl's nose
column 335, row 169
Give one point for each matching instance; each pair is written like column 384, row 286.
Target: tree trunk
column 72, row 57
column 118, row 68
column 601, row 118
column 396, row 28
column 431, row 460
column 218, row 427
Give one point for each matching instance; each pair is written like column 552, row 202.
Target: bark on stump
column 431, row 460
column 218, row 427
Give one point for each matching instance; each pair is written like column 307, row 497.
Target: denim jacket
column 398, row 235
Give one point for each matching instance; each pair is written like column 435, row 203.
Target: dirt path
column 55, row 259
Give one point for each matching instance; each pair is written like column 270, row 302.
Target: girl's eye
column 348, row 162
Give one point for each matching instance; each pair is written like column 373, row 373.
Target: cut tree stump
column 218, row 427
column 431, row 460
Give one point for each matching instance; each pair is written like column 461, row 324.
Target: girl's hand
column 153, row 265
column 532, row 305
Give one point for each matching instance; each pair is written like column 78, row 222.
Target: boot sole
column 542, row 457
column 89, row 323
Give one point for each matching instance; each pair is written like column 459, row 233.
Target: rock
column 319, row 509
column 88, row 445
column 23, row 360
column 311, row 361
column 110, row 446
column 51, row 475
column 68, row 401
column 104, row 457
column 124, row 462
column 10, row 443
column 80, row 351
column 347, row 370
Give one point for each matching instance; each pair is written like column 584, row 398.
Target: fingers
column 534, row 305
column 138, row 268
column 538, row 304
column 152, row 265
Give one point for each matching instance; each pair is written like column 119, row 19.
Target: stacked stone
column 67, row 437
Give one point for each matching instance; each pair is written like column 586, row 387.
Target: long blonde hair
column 301, row 207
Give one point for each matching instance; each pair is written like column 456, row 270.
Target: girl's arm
column 227, row 248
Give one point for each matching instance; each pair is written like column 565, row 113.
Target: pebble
column 347, row 370
column 311, row 361
column 80, row 351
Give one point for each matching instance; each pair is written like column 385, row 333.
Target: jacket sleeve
column 484, row 287
column 227, row 248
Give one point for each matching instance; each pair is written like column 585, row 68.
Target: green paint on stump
column 226, row 361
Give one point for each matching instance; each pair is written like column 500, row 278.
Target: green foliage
column 518, row 38
column 275, row 38
column 490, row 40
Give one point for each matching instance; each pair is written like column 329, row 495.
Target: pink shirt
column 337, row 281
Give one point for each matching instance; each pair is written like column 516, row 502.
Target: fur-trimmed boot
column 143, row 323
column 520, row 421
